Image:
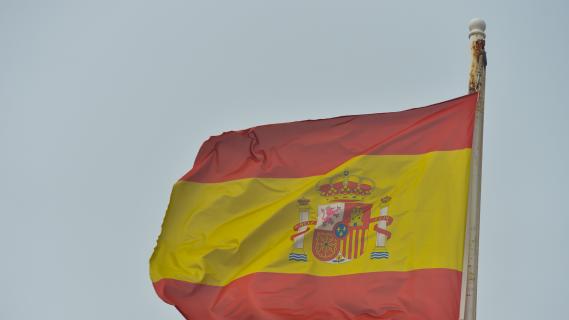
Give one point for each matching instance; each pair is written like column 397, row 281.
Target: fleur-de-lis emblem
column 341, row 230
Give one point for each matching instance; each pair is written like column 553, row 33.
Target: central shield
column 340, row 230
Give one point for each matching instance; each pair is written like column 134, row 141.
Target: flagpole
column 476, row 83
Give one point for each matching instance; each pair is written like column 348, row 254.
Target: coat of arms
column 342, row 221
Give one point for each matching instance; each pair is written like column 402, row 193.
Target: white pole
column 304, row 212
column 380, row 237
column 476, row 83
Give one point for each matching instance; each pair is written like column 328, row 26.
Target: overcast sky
column 104, row 104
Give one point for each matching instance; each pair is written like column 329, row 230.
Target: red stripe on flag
column 314, row 147
column 420, row 294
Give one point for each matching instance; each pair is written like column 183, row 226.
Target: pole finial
column 477, row 28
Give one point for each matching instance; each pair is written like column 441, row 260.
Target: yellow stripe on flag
column 215, row 233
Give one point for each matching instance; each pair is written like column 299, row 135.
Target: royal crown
column 344, row 186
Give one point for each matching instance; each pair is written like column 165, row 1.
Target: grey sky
column 104, row 104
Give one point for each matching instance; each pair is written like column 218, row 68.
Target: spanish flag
column 354, row 217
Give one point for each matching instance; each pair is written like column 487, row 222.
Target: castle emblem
column 342, row 221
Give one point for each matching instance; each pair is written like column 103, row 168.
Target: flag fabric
column 354, row 217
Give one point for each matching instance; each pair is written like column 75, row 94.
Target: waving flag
column 355, row 217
